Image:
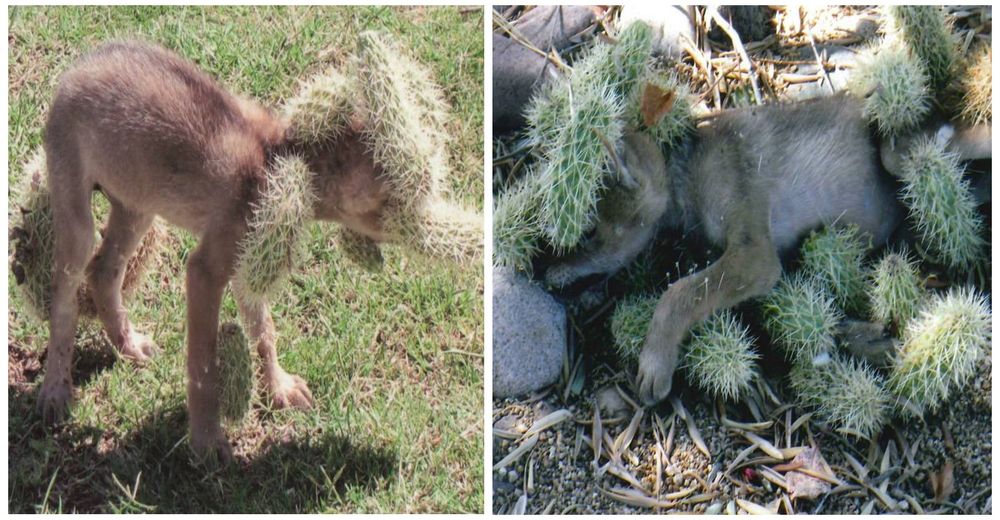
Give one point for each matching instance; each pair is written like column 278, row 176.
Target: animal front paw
column 210, row 446
column 139, row 348
column 290, row 391
column 54, row 399
column 656, row 374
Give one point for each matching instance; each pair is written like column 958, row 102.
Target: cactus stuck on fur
column 942, row 208
column 894, row 87
column 720, row 356
column 517, row 225
column 895, row 290
column 801, row 316
column 675, row 119
column 237, row 381
column 977, row 86
column 834, row 258
column 926, row 32
column 322, row 108
column 941, row 348
column 846, row 392
column 440, row 229
column 629, row 324
column 274, row 241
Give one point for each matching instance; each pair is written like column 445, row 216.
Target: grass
column 394, row 358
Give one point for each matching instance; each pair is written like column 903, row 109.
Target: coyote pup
column 160, row 138
column 753, row 181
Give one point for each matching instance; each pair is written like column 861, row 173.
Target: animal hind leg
column 106, row 273
column 73, row 226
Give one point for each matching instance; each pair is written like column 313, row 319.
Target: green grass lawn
column 393, row 358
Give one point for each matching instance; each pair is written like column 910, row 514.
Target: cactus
column 893, row 85
column 629, row 324
column 677, row 121
column 720, row 356
column 895, row 290
column 439, row 229
column 516, row 225
column 801, row 317
column 977, row 87
column 547, row 111
column 236, row 373
column 410, row 151
column 942, row 208
column 833, row 257
column 925, row 31
column 846, row 392
column 941, row 349
column 32, row 240
column 322, row 108
column 274, row 241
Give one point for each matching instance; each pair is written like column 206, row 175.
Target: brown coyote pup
column 160, row 138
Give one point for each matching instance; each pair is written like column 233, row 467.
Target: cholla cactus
column 925, row 31
column 517, row 225
column 941, row 348
column 801, row 317
column 236, row 373
column 32, row 240
column 893, row 85
column 677, row 121
column 322, row 108
column 895, row 290
column 720, row 356
column 977, row 86
column 942, row 208
column 834, row 258
column 401, row 131
column 846, row 392
column 361, row 249
column 439, row 229
column 546, row 113
column 629, row 324
column 274, row 241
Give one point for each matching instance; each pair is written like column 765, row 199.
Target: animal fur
column 752, row 181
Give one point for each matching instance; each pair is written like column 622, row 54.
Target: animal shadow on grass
column 85, row 469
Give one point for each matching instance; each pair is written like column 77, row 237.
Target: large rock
column 529, row 335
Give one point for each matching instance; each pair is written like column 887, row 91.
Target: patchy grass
column 394, row 358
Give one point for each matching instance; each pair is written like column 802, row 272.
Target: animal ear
column 323, row 107
column 656, row 103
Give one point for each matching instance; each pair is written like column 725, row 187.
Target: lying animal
column 160, row 138
column 752, row 181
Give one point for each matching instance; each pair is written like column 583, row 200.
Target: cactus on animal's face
column 517, row 225
column 720, row 356
column 895, row 290
column 439, row 229
column 236, row 373
column 621, row 64
column 942, row 208
column 800, row 316
column 925, row 31
column 322, row 107
column 629, row 324
column 274, row 241
column 834, row 258
column 893, row 86
column 977, row 87
column 941, row 348
column 846, row 392
column 546, row 113
column 676, row 120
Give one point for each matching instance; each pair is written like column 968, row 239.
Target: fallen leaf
column 801, row 485
column 943, row 482
column 656, row 102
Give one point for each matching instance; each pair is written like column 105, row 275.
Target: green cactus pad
column 322, row 108
column 720, row 356
column 516, row 225
column 941, row 349
column 893, row 86
column 926, row 32
column 977, row 86
column 677, row 122
column 846, row 393
column 896, row 290
column 800, row 316
column 629, row 324
column 834, row 257
column 942, row 208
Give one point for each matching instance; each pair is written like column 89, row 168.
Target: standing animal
column 752, row 181
column 161, row 138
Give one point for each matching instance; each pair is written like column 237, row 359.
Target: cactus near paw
column 925, row 31
column 893, row 85
column 895, row 291
column 941, row 348
column 834, row 258
column 846, row 393
column 236, row 373
column 274, row 242
column 942, row 208
column 720, row 357
column 629, row 324
column 800, row 316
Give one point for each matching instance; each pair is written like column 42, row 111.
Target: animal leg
column 286, row 390
column 73, row 225
column 749, row 267
column 105, row 274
